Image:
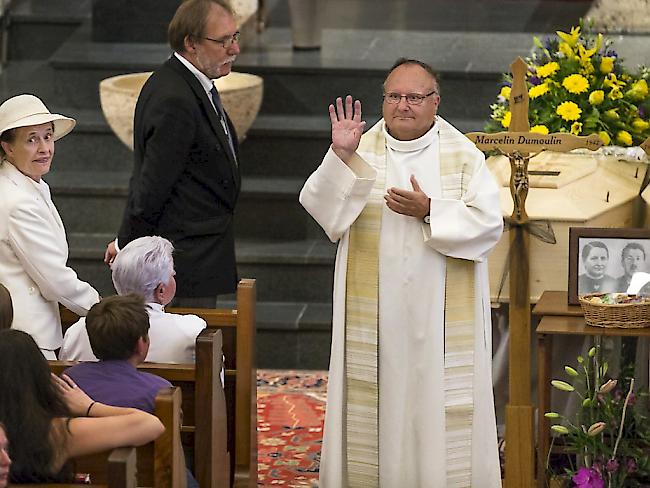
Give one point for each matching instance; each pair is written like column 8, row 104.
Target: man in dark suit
column 186, row 179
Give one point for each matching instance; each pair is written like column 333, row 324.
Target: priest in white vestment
column 415, row 212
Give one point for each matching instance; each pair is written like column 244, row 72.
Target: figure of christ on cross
column 517, row 144
column 645, row 145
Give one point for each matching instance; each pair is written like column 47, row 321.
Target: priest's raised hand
column 347, row 127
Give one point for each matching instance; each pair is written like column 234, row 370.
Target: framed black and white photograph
column 603, row 260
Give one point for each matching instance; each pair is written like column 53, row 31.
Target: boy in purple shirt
column 118, row 329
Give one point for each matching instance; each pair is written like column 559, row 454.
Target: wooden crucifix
column 645, row 145
column 517, row 144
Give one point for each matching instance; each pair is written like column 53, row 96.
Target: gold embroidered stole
column 459, row 370
column 362, row 343
column 362, row 319
column 460, row 299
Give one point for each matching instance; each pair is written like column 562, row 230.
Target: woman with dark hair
column 595, row 258
column 6, row 308
column 49, row 419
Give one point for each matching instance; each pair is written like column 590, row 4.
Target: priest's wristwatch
column 427, row 217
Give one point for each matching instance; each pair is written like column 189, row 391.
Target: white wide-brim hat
column 26, row 110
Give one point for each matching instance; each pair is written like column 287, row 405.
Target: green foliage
column 610, row 433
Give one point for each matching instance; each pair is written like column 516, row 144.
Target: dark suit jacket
column 185, row 181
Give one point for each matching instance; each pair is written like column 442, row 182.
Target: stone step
column 459, row 15
column 294, row 290
column 299, row 328
column 123, row 20
column 268, row 208
column 293, row 335
column 92, row 145
column 287, row 91
column 290, row 270
column 81, row 64
column 281, row 146
column 37, row 28
column 285, row 271
column 294, row 145
column 28, row 76
column 470, row 65
column 275, row 146
column 293, row 80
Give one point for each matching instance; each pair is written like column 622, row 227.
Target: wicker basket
column 623, row 315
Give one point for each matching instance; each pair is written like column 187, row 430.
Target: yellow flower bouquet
column 577, row 83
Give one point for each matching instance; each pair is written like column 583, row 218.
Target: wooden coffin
column 645, row 198
column 585, row 190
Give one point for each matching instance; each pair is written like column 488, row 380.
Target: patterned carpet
column 290, row 414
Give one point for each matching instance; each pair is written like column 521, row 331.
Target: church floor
column 290, row 415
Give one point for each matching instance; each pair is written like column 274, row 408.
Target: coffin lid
column 579, row 192
column 646, row 195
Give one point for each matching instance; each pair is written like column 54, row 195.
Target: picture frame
column 601, row 260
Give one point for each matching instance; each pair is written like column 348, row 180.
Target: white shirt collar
column 206, row 82
column 414, row 145
column 156, row 306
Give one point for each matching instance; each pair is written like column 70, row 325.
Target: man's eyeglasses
column 411, row 98
column 227, row 41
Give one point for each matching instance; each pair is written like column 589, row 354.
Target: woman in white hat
column 33, row 245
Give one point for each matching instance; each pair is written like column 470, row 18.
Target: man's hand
column 413, row 203
column 347, row 127
column 110, row 253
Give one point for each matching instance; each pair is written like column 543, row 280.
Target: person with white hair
column 34, row 250
column 145, row 266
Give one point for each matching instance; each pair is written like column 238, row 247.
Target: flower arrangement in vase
column 608, row 443
column 577, row 83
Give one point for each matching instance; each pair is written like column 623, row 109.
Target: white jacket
column 33, row 259
column 172, row 338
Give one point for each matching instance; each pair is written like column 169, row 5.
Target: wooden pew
column 160, row 463
column 205, row 413
column 238, row 327
column 238, row 332
column 120, row 469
